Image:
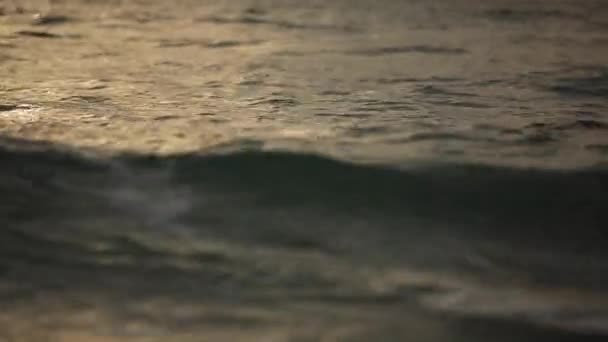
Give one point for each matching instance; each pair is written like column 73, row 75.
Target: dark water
column 264, row 244
column 303, row 171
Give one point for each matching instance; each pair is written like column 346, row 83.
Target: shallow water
column 303, row 171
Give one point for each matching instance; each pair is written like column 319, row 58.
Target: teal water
column 303, row 171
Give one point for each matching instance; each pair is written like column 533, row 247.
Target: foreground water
column 303, row 171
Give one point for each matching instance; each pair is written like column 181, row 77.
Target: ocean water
column 391, row 170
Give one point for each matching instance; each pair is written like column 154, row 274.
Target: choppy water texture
column 303, row 170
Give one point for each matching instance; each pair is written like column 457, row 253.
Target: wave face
column 299, row 236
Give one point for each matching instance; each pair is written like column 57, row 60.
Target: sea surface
column 303, row 171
